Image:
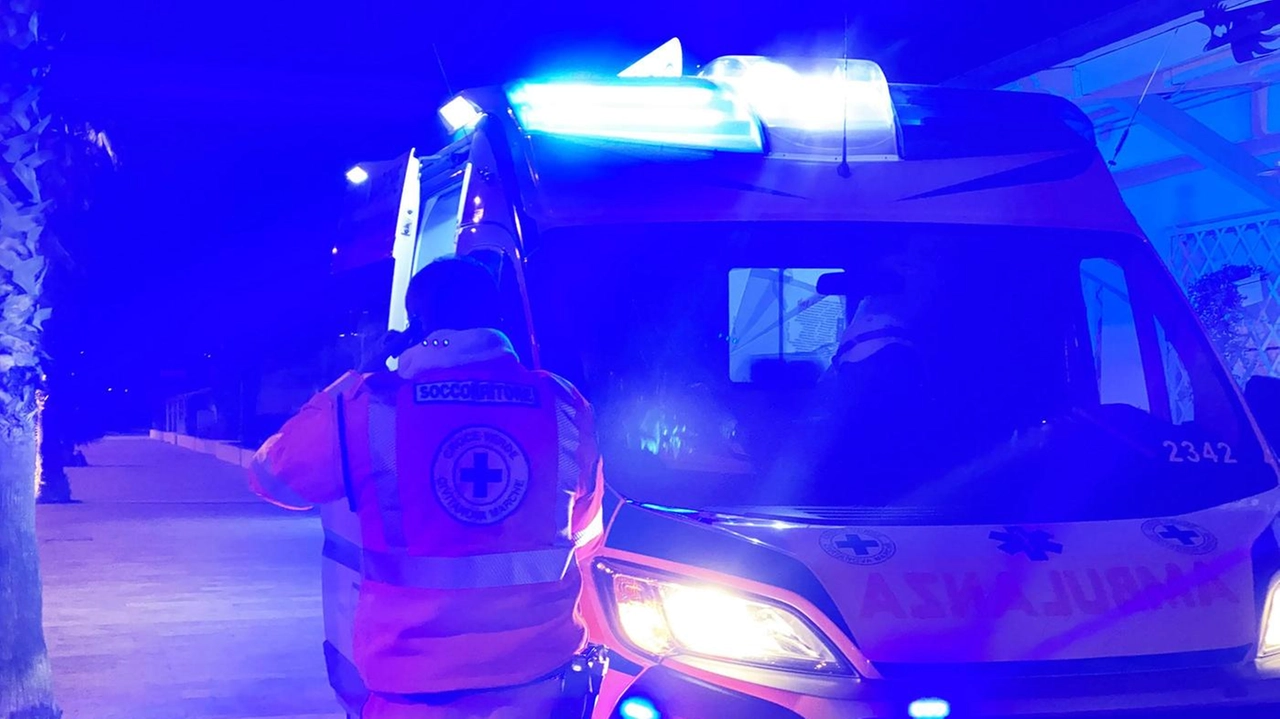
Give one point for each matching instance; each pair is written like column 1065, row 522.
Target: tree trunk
column 53, row 455
column 26, row 682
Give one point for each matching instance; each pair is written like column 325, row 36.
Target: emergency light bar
column 815, row 104
column 681, row 112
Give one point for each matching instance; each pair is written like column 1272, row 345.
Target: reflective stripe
column 271, row 485
column 382, row 466
column 340, row 573
column 341, row 550
column 592, row 531
column 345, row 680
column 484, row 571
column 340, row 594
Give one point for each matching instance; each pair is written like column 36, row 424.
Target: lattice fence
column 1193, row 251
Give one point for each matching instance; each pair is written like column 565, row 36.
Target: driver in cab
column 878, row 366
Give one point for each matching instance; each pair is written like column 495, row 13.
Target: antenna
column 1124, row 136
column 843, row 168
column 444, row 75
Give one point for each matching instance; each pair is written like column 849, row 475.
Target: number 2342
column 1188, row 452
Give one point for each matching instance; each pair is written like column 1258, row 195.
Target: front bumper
column 1223, row 693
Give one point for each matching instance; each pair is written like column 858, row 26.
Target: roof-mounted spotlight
column 357, row 175
column 459, row 114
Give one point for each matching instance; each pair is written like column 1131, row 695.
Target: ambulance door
column 436, row 238
column 489, row 229
column 516, row 323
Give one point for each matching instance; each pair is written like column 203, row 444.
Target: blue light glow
column 684, row 112
column 815, row 96
column 357, row 175
column 929, row 709
column 671, row 510
column 459, row 114
column 636, row 708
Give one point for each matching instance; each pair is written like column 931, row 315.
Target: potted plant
column 1219, row 299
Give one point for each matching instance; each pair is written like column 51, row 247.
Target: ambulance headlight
column 1269, row 642
column 667, row 617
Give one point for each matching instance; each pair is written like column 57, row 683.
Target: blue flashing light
column 815, row 97
column 669, row 510
column 637, row 708
column 931, row 708
column 677, row 112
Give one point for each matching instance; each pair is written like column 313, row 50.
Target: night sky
column 234, row 122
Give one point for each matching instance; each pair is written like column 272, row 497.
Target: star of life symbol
column 1035, row 543
column 1180, row 535
column 858, row 546
column 480, row 475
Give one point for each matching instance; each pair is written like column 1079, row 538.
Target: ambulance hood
column 912, row 597
column 1015, row 593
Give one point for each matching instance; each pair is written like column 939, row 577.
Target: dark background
column 234, row 123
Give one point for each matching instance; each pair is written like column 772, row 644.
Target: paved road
column 174, row 593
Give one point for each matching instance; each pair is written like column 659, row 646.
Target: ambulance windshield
column 964, row 370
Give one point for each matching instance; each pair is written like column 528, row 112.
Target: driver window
column 778, row 314
column 1113, row 334
column 437, row 236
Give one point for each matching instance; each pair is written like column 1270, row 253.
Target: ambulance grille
column 1064, row 667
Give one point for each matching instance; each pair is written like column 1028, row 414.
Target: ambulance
column 901, row 413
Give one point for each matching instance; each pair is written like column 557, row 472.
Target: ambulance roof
column 801, row 108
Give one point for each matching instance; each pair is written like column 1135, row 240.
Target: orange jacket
column 477, row 483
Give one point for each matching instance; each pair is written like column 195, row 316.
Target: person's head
column 453, row 293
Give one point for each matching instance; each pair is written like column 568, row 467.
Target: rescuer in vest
column 477, row 483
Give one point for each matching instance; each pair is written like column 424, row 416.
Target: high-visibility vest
column 476, row 487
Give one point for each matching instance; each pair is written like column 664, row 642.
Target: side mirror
column 857, row 284
column 1263, row 395
column 834, row 283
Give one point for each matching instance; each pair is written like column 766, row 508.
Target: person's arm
column 588, row 504
column 300, row 466
column 588, row 511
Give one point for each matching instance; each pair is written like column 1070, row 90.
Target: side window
column 438, row 235
column 1182, row 406
column 778, row 314
column 1113, row 334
